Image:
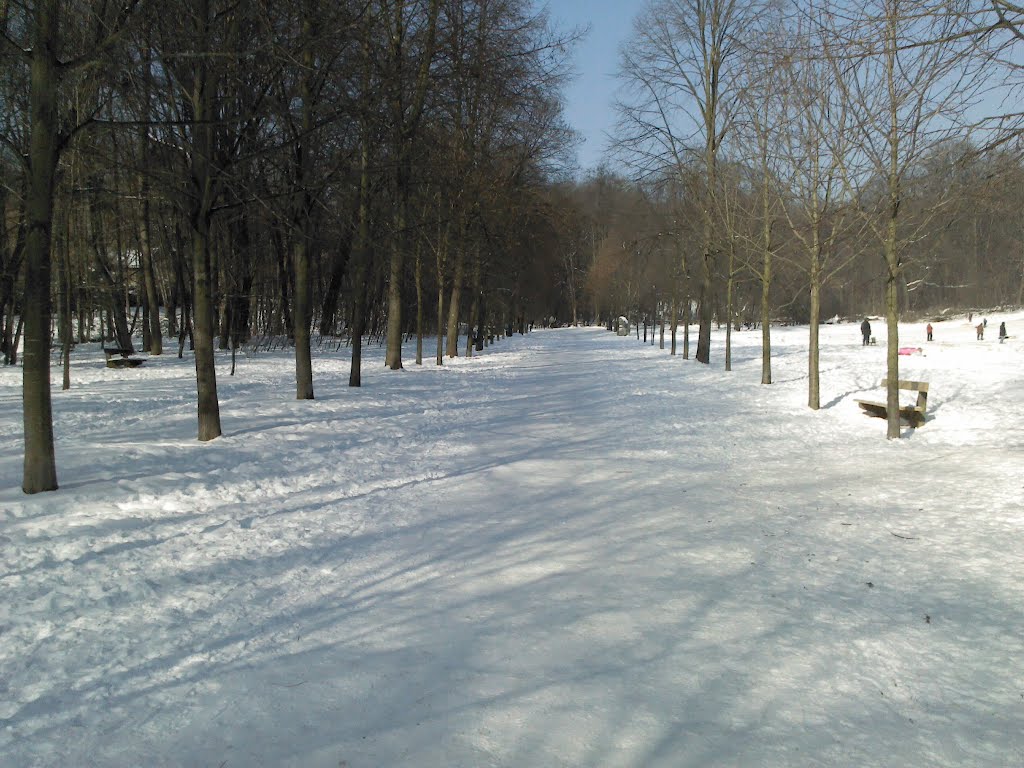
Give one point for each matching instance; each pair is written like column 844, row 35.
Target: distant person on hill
column 985, row 322
column 1002, row 332
column 929, row 330
column 980, row 328
column 865, row 331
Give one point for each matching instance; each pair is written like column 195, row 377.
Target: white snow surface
column 569, row 550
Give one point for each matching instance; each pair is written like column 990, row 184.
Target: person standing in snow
column 980, row 328
column 1002, row 332
column 865, row 331
column 929, row 330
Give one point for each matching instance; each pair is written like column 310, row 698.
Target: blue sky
column 589, row 96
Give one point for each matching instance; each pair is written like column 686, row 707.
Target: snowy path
column 573, row 550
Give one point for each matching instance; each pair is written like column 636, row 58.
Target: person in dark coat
column 1002, row 332
column 865, row 331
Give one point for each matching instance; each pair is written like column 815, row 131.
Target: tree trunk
column 704, row 314
column 710, row 114
column 481, row 323
column 396, row 272
column 687, row 319
column 304, row 224
column 360, row 260
column 675, row 323
column 766, row 334
column 419, row 305
column 40, row 468
column 766, row 338
column 891, row 246
column 66, row 330
column 729, row 290
column 203, row 181
column 355, row 374
column 892, row 360
column 474, row 306
column 442, row 254
column 303, row 318
column 202, row 332
column 173, row 294
column 452, row 349
column 156, row 339
column 813, row 376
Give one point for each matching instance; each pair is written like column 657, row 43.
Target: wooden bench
column 914, row 414
column 118, row 357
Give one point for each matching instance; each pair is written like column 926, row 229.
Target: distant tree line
column 798, row 161
column 207, row 171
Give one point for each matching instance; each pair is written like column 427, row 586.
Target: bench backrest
column 916, row 386
column 921, row 387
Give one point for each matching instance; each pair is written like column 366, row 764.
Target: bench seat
column 913, row 414
column 118, row 357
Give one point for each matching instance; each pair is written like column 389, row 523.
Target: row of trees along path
column 210, row 171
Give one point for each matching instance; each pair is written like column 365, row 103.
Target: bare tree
column 763, row 204
column 313, row 38
column 813, row 142
column 682, row 73
column 901, row 70
column 58, row 48
column 411, row 34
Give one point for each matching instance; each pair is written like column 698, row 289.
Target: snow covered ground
column 571, row 550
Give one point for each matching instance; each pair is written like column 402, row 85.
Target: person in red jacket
column 929, row 330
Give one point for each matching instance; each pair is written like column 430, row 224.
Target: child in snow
column 1002, row 332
